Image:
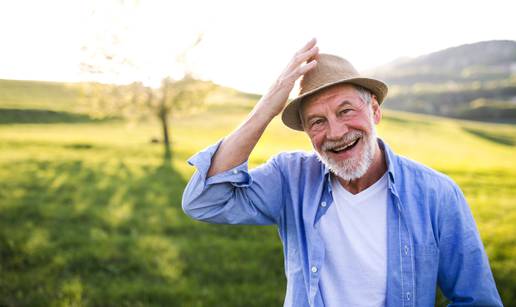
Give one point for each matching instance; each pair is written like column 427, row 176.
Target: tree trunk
column 163, row 116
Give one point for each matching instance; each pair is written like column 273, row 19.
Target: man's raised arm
column 222, row 190
column 236, row 148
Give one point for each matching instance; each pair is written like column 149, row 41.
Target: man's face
column 341, row 127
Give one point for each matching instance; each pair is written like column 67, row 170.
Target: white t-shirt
column 354, row 230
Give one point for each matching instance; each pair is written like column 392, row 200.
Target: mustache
column 344, row 140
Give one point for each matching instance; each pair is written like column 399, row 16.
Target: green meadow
column 90, row 211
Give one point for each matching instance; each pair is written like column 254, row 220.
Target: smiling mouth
column 346, row 147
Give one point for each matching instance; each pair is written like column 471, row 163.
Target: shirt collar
column 389, row 159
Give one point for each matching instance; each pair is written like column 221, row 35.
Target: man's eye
column 317, row 122
column 345, row 111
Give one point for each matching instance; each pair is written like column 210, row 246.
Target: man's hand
column 236, row 148
column 274, row 100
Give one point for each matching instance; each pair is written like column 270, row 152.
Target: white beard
column 354, row 167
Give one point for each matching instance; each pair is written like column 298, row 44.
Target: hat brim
column 291, row 117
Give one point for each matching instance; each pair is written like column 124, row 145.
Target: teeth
column 341, row 148
column 344, row 147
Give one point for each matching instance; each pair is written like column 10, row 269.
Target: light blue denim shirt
column 432, row 238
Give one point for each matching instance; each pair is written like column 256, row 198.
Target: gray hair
column 364, row 93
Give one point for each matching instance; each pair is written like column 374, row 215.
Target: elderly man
column 360, row 225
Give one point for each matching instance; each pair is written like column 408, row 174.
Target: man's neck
column 373, row 174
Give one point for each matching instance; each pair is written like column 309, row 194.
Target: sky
column 245, row 44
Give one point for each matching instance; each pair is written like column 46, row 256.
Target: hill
column 474, row 81
column 41, row 95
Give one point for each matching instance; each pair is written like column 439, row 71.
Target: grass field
column 90, row 212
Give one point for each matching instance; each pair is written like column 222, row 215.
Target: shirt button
column 406, row 250
column 323, row 204
column 235, row 171
column 408, row 296
column 314, row 269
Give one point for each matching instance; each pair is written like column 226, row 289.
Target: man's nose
column 336, row 130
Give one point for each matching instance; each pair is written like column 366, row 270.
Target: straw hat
column 330, row 70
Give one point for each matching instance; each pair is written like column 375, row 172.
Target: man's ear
column 377, row 111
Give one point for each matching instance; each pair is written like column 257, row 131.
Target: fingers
column 308, row 55
column 301, row 57
column 308, row 66
column 303, row 61
column 301, row 70
column 304, row 53
column 308, row 45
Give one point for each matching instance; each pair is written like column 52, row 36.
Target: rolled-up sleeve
column 235, row 196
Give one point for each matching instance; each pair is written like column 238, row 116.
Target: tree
column 177, row 96
column 137, row 102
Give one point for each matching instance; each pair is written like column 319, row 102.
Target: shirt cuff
column 237, row 176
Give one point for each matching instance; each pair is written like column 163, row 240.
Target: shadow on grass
column 401, row 120
column 114, row 234
column 499, row 138
column 36, row 116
